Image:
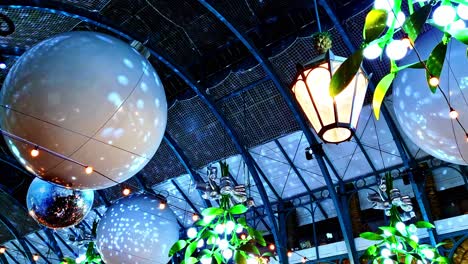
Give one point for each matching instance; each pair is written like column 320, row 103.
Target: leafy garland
column 373, row 34
column 222, row 234
column 399, row 242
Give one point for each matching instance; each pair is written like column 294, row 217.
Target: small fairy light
column 434, row 81
column 304, row 259
column 89, row 169
column 195, row 217
column 453, row 114
column 290, row 254
column 35, row 257
column 466, row 137
column 243, row 236
column 35, row 152
column 2, row 249
column 272, row 247
column 162, row 205
column 126, row 191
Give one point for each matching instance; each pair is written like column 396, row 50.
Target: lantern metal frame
column 327, row 58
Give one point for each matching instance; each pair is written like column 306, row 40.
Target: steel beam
column 366, row 155
column 270, row 185
column 243, row 89
column 3, row 259
column 299, row 175
column 52, row 243
column 408, row 161
column 37, row 251
column 75, row 254
column 17, row 236
column 269, row 69
column 11, row 257
column 186, row 163
column 187, row 199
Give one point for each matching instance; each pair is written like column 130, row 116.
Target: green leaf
column 190, row 249
column 388, row 229
column 218, row 257
column 68, row 260
column 212, row 211
column 416, row 21
column 380, row 91
column 238, row 209
column 259, row 238
column 408, row 259
column 371, row 250
column 461, row 35
column 424, row 224
column 441, row 260
column 269, row 254
column 435, row 63
column 242, row 221
column 190, row 260
column 371, row 236
column 345, row 73
column 441, row 244
column 250, row 248
column 178, row 246
column 376, row 21
column 239, row 258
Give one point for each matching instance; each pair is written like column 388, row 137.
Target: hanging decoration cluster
column 222, row 234
column 398, row 242
column 385, row 22
column 92, row 255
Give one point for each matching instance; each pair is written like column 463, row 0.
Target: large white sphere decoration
column 373, row 51
column 134, row 231
column 396, row 49
column 87, row 96
column 424, row 116
column 444, row 15
column 462, row 11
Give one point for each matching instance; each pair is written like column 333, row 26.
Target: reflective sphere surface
column 89, row 97
column 57, row 207
column 424, row 116
column 135, row 231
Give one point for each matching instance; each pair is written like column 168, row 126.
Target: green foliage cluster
column 92, row 255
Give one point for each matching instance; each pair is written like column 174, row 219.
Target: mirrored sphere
column 424, row 116
column 87, row 96
column 134, row 231
column 54, row 206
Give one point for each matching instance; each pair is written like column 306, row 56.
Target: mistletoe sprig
column 91, row 256
column 222, row 234
column 376, row 33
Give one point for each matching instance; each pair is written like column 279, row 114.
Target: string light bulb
column 271, row 246
column 453, row 114
column 162, row 205
column 195, row 217
column 304, row 259
column 2, row 249
column 126, row 191
column 243, row 236
column 35, row 152
column 434, row 81
column 35, row 257
column 89, row 169
column 290, row 254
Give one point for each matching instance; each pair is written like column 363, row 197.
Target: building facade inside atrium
column 233, row 131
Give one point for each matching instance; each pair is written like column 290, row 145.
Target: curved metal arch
column 96, row 19
column 18, row 237
column 311, row 138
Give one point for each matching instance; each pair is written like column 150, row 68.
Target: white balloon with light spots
column 135, row 231
column 87, row 96
column 424, row 116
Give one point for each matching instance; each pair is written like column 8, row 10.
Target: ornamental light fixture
column 334, row 119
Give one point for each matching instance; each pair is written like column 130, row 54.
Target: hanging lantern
column 334, row 119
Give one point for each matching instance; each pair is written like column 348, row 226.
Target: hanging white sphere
column 457, row 25
column 444, row 15
column 396, row 49
column 87, row 96
column 424, row 116
column 462, row 11
column 135, row 231
column 372, row 51
column 384, row 4
column 400, row 19
column 192, row 232
column 227, row 254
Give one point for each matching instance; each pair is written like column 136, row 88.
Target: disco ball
column 56, row 207
column 89, row 97
column 424, row 116
column 134, row 230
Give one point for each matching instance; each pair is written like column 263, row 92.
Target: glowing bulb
column 462, row 11
column 192, row 232
column 2, row 66
column 205, row 260
column 384, row 4
column 35, row 152
column 89, row 169
column 2, row 249
column 434, row 81
column 290, row 254
column 227, row 254
column 230, row 226
column 415, row 238
column 195, row 217
column 223, row 244
column 126, row 191
column 271, row 246
column 453, row 114
column 386, row 253
column 412, row 228
column 220, row 228
column 396, row 50
column 429, row 254
column 400, row 226
column 200, row 243
column 239, row 229
column 35, row 257
column 243, row 236
column 372, row 51
column 400, row 19
column 304, row 259
column 162, row 205
column 388, row 261
column 444, row 15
